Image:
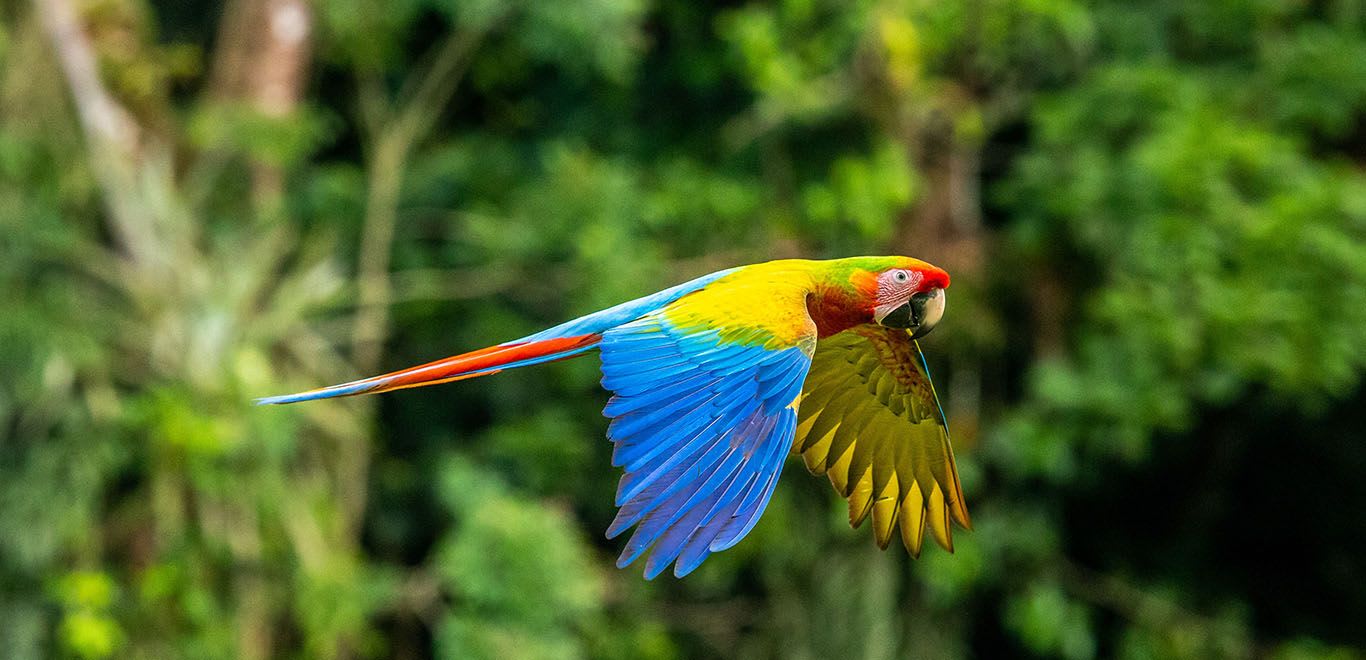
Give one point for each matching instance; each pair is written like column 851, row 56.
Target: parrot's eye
column 900, row 276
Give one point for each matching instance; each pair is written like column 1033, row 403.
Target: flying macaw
column 715, row 380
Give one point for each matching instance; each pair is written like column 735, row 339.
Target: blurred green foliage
column 1155, row 213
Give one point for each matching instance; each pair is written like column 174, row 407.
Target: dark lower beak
column 901, row 317
column 919, row 315
column 921, row 331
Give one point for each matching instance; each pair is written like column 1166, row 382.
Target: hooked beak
column 919, row 315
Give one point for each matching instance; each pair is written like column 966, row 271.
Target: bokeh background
column 1154, row 213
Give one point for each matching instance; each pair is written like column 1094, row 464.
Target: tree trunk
column 262, row 58
column 261, row 63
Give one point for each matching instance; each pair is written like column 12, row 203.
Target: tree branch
column 112, row 136
column 388, row 157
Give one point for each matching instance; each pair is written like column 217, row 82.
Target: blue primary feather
column 673, row 480
column 628, row 425
column 633, row 452
column 642, row 447
column 655, row 476
column 756, row 471
column 785, row 388
column 668, row 446
column 684, row 519
column 701, row 427
column 657, row 445
column 664, row 460
column 620, row 405
column 756, row 499
column 640, row 374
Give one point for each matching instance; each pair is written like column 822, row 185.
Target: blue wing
column 702, row 426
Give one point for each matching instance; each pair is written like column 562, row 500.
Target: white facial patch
column 892, row 294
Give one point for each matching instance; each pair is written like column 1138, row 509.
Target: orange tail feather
column 482, row 362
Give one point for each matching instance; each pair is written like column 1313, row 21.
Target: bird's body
column 715, row 380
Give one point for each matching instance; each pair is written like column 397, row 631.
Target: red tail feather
column 482, row 362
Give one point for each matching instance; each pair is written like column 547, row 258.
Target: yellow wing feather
column 760, row 303
column 870, row 421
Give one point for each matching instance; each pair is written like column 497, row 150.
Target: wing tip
column 961, row 517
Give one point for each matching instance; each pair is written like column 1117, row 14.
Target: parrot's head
column 910, row 295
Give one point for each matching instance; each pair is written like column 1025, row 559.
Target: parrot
column 714, row 382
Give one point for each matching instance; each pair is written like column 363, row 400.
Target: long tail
column 482, row 362
column 562, row 341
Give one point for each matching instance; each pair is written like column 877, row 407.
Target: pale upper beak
column 926, row 309
column 919, row 315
